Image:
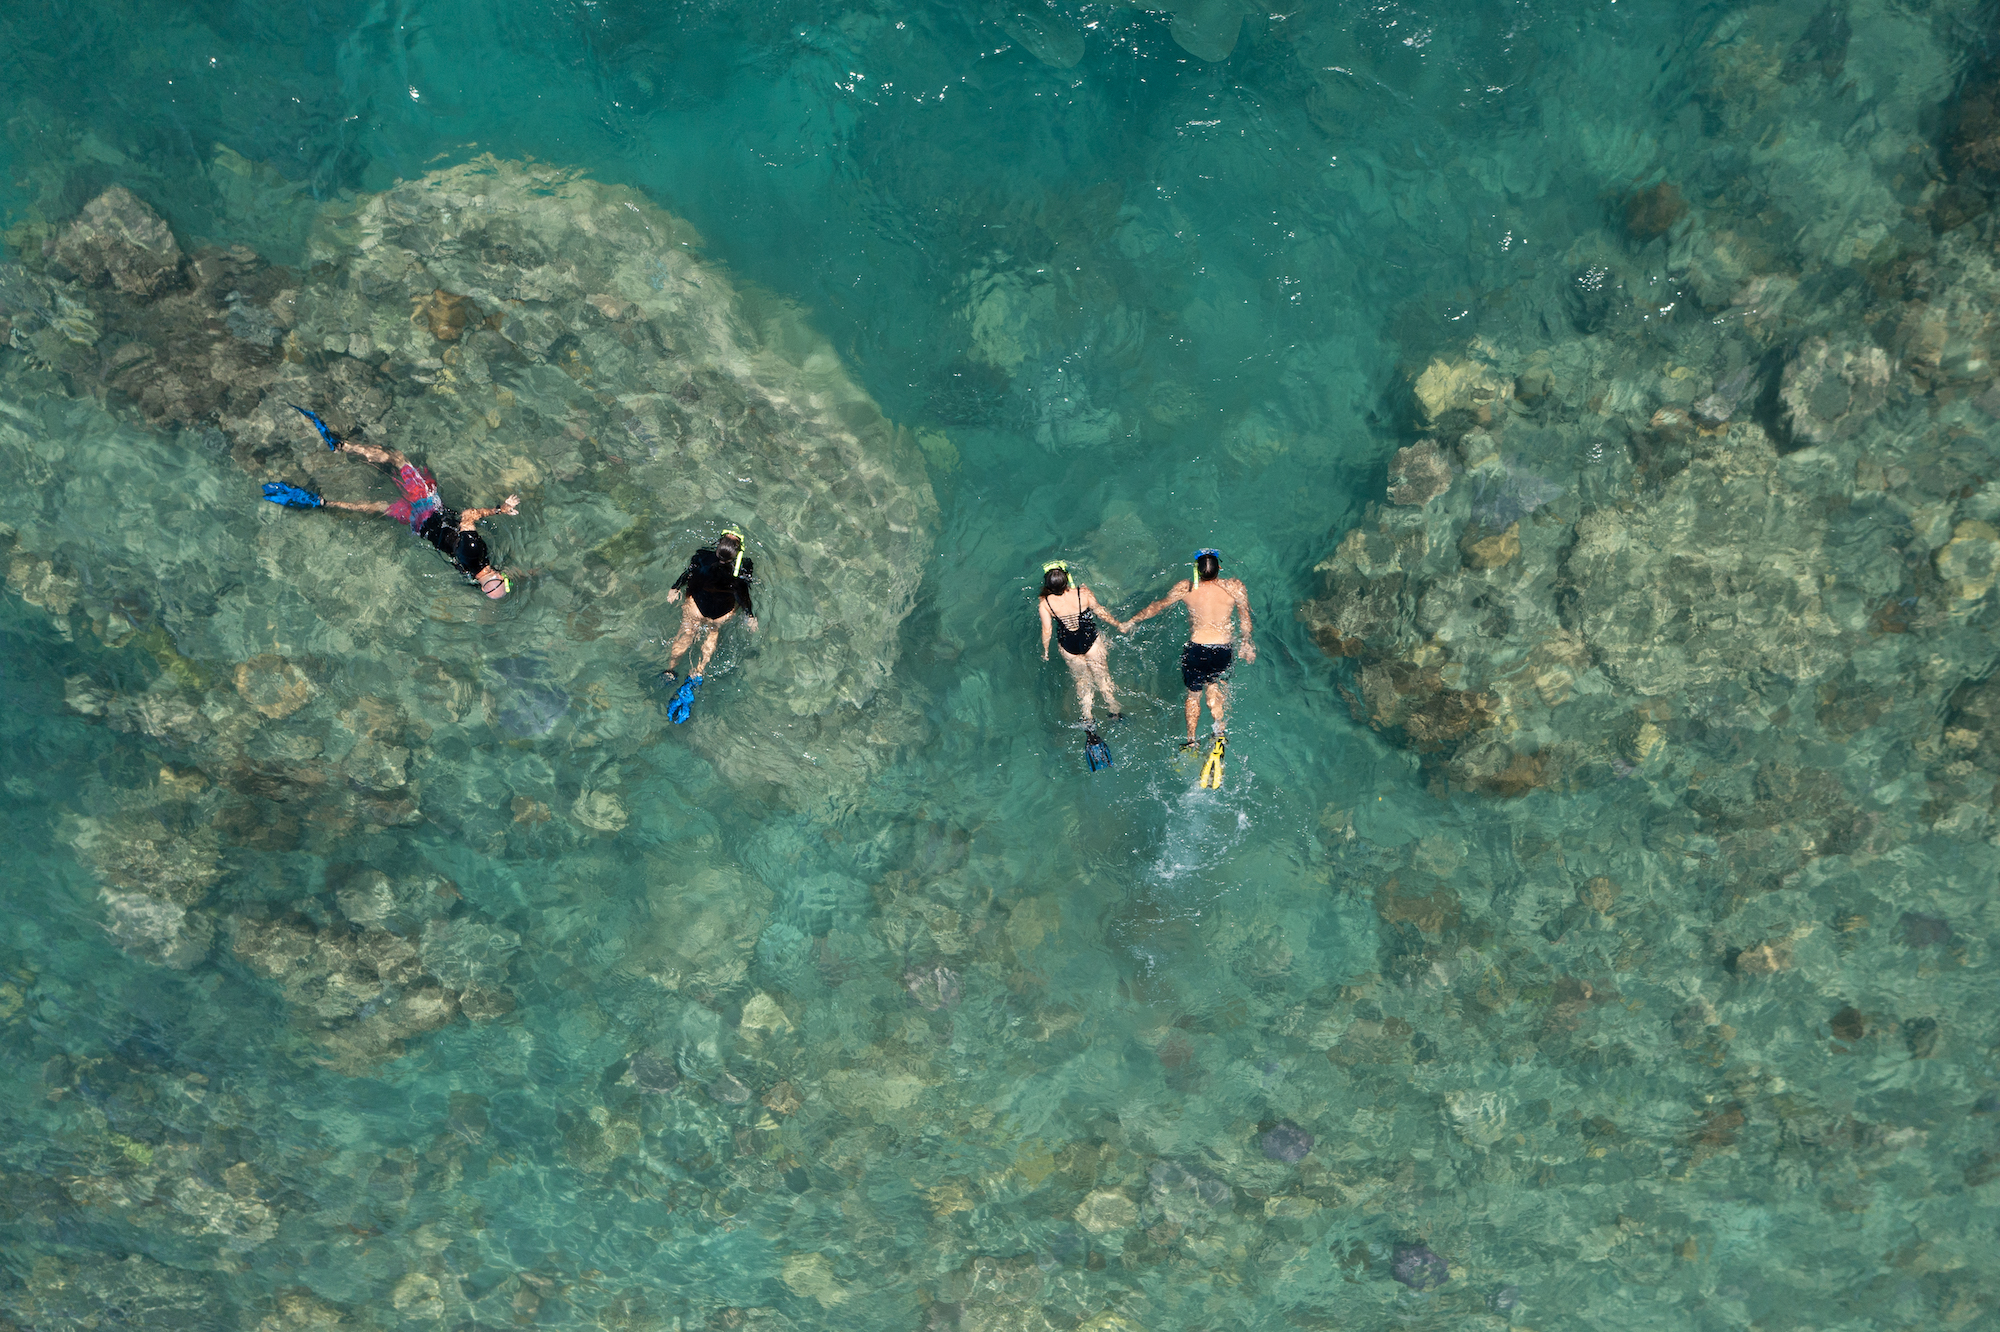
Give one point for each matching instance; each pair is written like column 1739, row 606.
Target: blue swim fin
column 1096, row 752
column 292, row 497
column 332, row 440
column 683, row 701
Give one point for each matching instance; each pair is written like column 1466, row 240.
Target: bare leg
column 1217, row 699
column 383, row 457
column 1079, row 675
column 708, row 644
column 690, row 622
column 1100, row 676
column 373, row 506
column 1193, row 713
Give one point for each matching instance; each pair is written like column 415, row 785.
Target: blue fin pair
column 1096, row 753
column 333, row 441
column 292, row 497
column 682, row 702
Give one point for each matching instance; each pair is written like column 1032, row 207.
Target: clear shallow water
column 982, row 1041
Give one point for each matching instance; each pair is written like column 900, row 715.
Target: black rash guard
column 441, row 530
column 715, row 588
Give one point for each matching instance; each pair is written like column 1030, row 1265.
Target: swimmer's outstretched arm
column 467, row 517
column 1241, row 596
column 1178, row 594
column 1090, row 602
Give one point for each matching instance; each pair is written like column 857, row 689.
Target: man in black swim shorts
column 1212, row 602
column 717, row 582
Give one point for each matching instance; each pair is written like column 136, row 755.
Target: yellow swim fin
column 1211, row 771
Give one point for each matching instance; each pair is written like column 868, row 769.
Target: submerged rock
column 273, row 686
column 1286, row 1141
column 121, row 240
column 1652, row 212
column 362, row 993
column 1419, row 474
column 1717, row 577
column 527, row 705
column 1418, row 1268
column 1828, row 392
column 933, row 987
column 652, row 1074
column 1924, row 931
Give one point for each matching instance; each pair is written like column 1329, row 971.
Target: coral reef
column 524, row 327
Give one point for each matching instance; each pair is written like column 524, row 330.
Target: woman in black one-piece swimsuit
column 1071, row 614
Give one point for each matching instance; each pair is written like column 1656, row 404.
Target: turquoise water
column 1593, row 929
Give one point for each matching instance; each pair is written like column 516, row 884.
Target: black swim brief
column 1202, row 664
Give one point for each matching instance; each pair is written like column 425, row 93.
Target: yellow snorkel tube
column 737, row 568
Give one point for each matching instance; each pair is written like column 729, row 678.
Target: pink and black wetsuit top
column 421, row 508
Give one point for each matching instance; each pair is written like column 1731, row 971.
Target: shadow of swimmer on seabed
column 1213, row 603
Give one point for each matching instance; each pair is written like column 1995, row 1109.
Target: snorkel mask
column 736, row 569
column 1051, row 567
column 1199, row 555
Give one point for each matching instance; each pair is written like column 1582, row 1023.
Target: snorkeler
column 450, row 530
column 717, row 581
column 1206, row 659
column 1072, row 613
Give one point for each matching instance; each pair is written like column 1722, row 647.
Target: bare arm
column 1091, row 602
column 467, row 517
column 1241, row 596
column 1178, row 594
column 1042, row 603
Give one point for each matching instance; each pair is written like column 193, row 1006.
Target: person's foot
column 1117, row 716
column 1188, row 743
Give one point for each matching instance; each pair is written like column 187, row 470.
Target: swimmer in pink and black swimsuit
column 450, row 530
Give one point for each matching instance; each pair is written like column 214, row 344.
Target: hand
column 751, row 620
column 673, row 596
column 1249, row 651
column 511, row 505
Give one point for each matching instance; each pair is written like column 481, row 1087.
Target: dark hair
column 1055, row 582
column 1208, row 566
column 472, row 555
